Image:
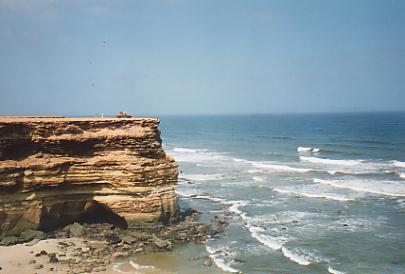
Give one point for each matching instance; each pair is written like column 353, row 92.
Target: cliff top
column 14, row 119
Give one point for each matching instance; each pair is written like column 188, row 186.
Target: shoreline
column 97, row 248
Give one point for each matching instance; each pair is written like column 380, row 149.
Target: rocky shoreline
column 90, row 248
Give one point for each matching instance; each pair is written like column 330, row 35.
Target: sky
column 147, row 57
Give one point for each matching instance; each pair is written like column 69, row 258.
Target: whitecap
column 398, row 164
column 308, row 149
column 197, row 156
column 388, row 188
column 258, row 179
column 116, row 267
column 234, row 206
column 215, row 254
column 330, row 161
column 202, row 177
column 334, row 271
column 187, row 150
column 402, row 175
column 300, row 192
column 299, row 259
column 266, row 166
column 272, row 242
column 141, row 267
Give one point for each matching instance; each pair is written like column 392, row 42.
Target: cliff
column 55, row 171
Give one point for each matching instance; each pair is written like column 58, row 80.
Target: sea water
column 313, row 193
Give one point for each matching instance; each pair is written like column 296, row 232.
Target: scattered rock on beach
column 30, row 234
column 75, row 230
column 11, row 240
column 208, row 261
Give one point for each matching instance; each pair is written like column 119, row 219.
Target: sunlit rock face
column 55, row 171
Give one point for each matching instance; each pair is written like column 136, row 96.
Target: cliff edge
column 55, row 171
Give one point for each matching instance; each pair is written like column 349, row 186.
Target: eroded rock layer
column 54, row 171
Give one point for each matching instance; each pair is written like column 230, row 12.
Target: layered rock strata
column 56, row 171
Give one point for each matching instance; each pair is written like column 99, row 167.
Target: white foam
column 308, row 149
column 197, row 156
column 220, row 262
column 299, row 259
column 203, row 177
column 402, row 175
column 389, row 188
column 234, row 206
column 398, row 164
column 334, row 271
column 116, row 267
column 141, row 267
column 266, row 166
column 317, row 160
column 258, row 179
column 187, row 150
column 313, row 195
column 268, row 241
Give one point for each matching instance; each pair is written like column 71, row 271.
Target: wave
column 268, row 241
column 314, row 195
column 279, row 168
column 299, row 259
column 388, row 188
column 187, row 150
column 308, row 149
column 234, row 206
column 202, row 177
column 398, row 164
column 402, row 175
column 334, row 271
column 142, row 267
column 330, row 161
column 197, row 155
column 220, row 262
column 200, row 197
column 259, row 179
column 116, row 268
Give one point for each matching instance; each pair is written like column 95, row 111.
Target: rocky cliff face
column 55, row 171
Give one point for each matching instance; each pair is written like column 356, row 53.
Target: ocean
column 307, row 193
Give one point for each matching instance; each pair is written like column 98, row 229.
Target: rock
column 129, row 239
column 208, row 261
column 75, row 230
column 53, row 258
column 30, row 234
column 11, row 240
column 32, row 262
column 99, row 269
column 117, row 255
column 38, row 266
column 39, row 157
column 33, row 242
column 158, row 242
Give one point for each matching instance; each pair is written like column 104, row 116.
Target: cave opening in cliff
column 62, row 214
column 99, row 213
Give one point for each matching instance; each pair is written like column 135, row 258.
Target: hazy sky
column 192, row 57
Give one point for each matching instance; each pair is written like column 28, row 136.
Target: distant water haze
column 201, row 57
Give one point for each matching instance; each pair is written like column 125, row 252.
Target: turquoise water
column 305, row 193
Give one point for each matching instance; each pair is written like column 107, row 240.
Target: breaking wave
column 299, row 259
column 334, row 271
column 388, row 188
column 215, row 255
column 398, row 164
column 308, row 149
column 314, row 195
column 330, row 161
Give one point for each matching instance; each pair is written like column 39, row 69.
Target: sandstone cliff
column 54, row 171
